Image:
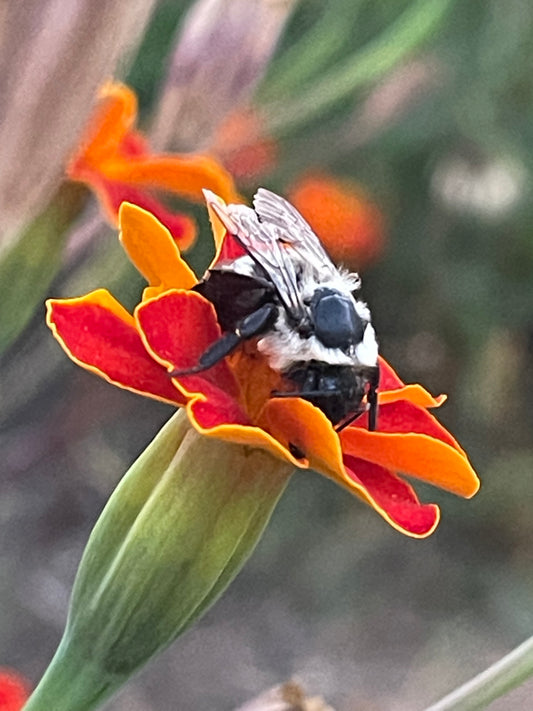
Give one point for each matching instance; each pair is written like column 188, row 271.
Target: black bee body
column 303, row 311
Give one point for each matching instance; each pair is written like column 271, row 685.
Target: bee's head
column 336, row 321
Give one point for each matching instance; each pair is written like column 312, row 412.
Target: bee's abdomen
column 335, row 389
column 234, row 295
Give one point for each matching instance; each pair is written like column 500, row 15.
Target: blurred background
column 418, row 118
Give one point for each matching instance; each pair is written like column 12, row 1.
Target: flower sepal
column 174, row 534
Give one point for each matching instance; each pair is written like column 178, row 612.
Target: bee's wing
column 294, row 230
column 262, row 242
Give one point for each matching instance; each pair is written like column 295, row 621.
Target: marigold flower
column 173, row 326
column 114, row 159
column 348, row 223
column 14, row 690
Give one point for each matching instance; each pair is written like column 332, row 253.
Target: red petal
column 217, row 409
column 14, row 690
column 100, row 335
column 393, row 498
column 178, row 327
column 112, row 194
column 150, row 247
column 388, row 378
column 134, row 144
column 403, row 416
column 230, row 249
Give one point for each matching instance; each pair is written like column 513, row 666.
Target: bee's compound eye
column 337, row 324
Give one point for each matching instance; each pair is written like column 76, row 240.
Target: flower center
column 256, row 378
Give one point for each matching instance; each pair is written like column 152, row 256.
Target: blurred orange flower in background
column 349, row 224
column 14, row 690
column 114, row 159
column 244, row 147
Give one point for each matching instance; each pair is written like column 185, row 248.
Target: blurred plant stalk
column 54, row 55
column 298, row 92
column 505, row 675
column 28, row 268
column 220, row 56
column 172, row 537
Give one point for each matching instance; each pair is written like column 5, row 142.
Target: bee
column 304, row 312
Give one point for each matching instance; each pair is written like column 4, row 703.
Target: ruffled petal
column 218, row 229
column 152, row 250
column 392, row 388
column 100, row 335
column 417, row 455
column 296, row 423
column 177, row 327
column 391, row 497
column 115, row 161
column 415, row 394
column 402, row 416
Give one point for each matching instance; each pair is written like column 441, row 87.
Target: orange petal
column 392, row 388
column 247, row 435
column 401, row 416
column 185, row 175
column 151, row 248
column 415, row 394
column 418, row 455
column 100, row 335
column 113, row 117
column 219, row 230
column 296, row 422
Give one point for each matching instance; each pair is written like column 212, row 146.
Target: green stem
column 69, row 684
column 172, row 537
column 503, row 676
column 414, row 26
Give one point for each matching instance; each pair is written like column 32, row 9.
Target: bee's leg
column 255, row 323
column 295, row 451
column 372, row 398
column 348, row 420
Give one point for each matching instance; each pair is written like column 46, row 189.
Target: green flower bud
column 174, row 534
